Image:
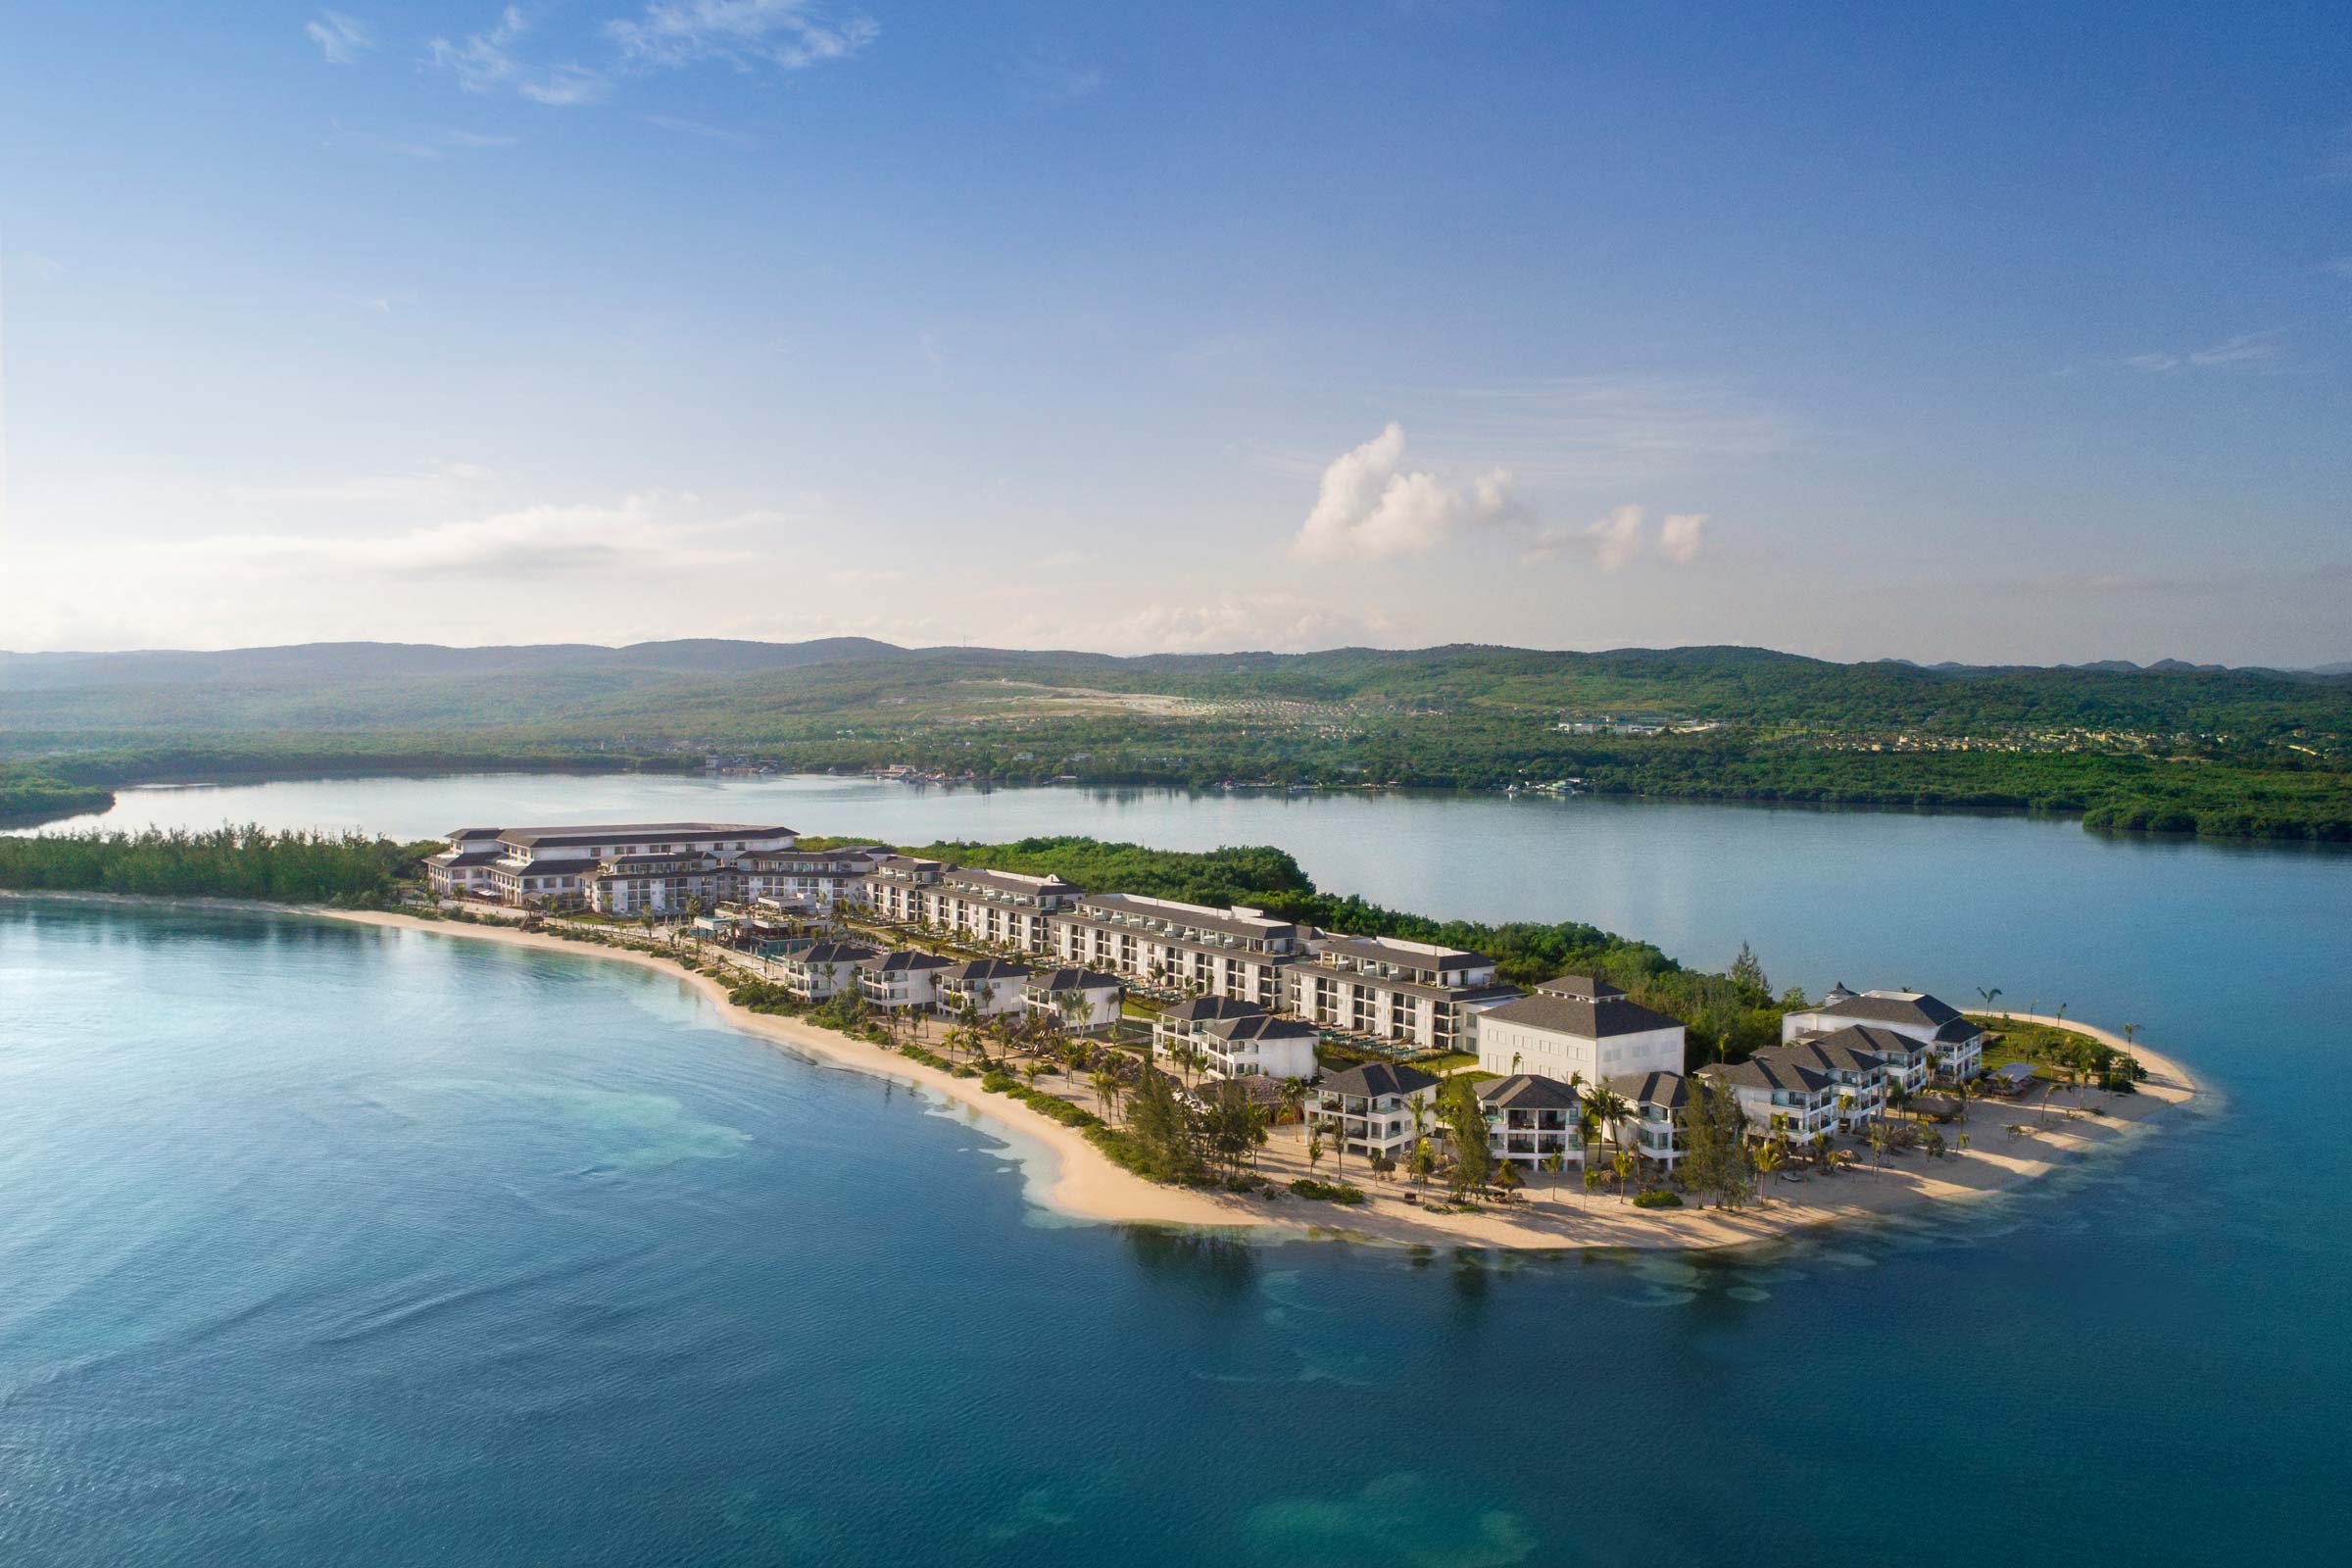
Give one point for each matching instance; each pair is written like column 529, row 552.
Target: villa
column 1391, row 989
column 822, row 970
column 902, row 979
column 1237, row 952
column 1530, row 1119
column 1654, row 1129
column 1780, row 1095
column 1369, row 1109
column 1237, row 1039
column 1097, row 998
column 1957, row 1047
column 1576, row 1027
column 1858, row 1074
column 987, row 986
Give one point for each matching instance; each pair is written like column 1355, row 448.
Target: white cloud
column 1234, row 622
column 1370, row 507
column 1617, row 540
column 2245, row 348
column 1681, row 536
column 486, row 62
column 788, row 34
column 341, row 38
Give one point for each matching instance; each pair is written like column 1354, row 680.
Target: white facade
column 1237, row 953
column 822, row 970
column 1238, row 1039
column 1390, row 989
column 1957, row 1046
column 1577, row 1029
column 989, row 986
column 1369, row 1109
column 1097, row 995
column 898, row 980
column 994, row 909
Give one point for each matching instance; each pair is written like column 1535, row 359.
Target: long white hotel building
column 993, row 907
column 1237, row 953
column 632, row 868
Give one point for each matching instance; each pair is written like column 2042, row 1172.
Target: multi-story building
column 1086, row 1000
column 1530, row 1118
column 1237, row 953
column 1237, row 1039
column 1655, row 1129
column 822, row 970
column 1780, row 1096
column 1000, row 908
column 1392, row 988
column 902, row 979
column 985, row 985
column 1956, row 1045
column 808, row 883
column 1578, row 1028
column 622, row 868
column 1369, row 1109
column 1864, row 1063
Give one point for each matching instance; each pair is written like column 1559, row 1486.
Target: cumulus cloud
column 1681, row 536
column 1617, row 540
column 486, row 62
column 788, row 34
column 1370, row 507
column 340, row 39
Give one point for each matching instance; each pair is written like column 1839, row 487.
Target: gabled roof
column 1073, row 980
column 1526, row 1092
column 989, row 969
column 1586, row 1019
column 1766, row 1070
column 902, row 962
column 1376, row 1078
column 1261, row 1026
column 597, row 833
column 1852, row 1049
column 1200, row 1010
column 1586, row 987
column 833, row 952
column 1914, row 1007
column 1958, row 1033
column 1668, row 1089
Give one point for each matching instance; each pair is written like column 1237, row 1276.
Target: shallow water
column 332, row 1243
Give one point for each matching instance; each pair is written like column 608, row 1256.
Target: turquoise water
column 323, row 1244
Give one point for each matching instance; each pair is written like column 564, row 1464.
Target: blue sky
column 1971, row 332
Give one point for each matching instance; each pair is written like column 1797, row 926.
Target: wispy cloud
column 694, row 128
column 787, row 34
column 1616, row 540
column 341, row 38
column 2245, row 348
column 427, row 144
column 1369, row 507
column 485, row 62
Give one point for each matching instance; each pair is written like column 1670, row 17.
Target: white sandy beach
column 1083, row 1183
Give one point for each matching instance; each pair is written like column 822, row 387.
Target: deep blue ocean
column 320, row 1243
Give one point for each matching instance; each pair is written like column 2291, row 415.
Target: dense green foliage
column 348, row 871
column 2225, row 752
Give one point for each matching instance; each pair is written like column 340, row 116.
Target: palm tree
column 1592, row 1184
column 1771, row 1157
column 1553, row 1163
column 1293, row 1098
column 1609, row 1109
column 1315, row 1149
column 1507, row 1177
column 1991, row 995
column 1624, row 1166
column 1106, row 1091
column 1877, row 1146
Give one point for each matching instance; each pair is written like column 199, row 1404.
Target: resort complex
column 1386, row 1047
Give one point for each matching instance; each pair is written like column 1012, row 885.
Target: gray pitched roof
column 1589, row 987
column 989, row 969
column 1920, row 1010
column 902, row 962
column 1765, row 1072
column 1584, row 1018
column 825, row 952
column 1526, row 1092
column 597, row 833
column 1262, row 1026
column 1198, row 1009
column 1669, row 1089
column 1072, row 980
column 1376, row 1078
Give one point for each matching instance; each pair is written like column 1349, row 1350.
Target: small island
column 1207, row 1040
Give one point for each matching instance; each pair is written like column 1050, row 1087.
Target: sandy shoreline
column 1079, row 1182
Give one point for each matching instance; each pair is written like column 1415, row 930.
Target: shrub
column 1657, row 1198
column 1328, row 1192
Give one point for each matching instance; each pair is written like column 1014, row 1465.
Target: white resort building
column 902, row 979
column 1237, row 953
column 1391, row 989
column 1369, row 1109
column 626, row 869
column 1956, row 1045
column 1530, row 1119
column 1576, row 1027
column 1002, row 908
column 822, row 970
column 1236, row 1038
column 987, row 986
column 1780, row 1096
column 1654, row 1129
column 1093, row 998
